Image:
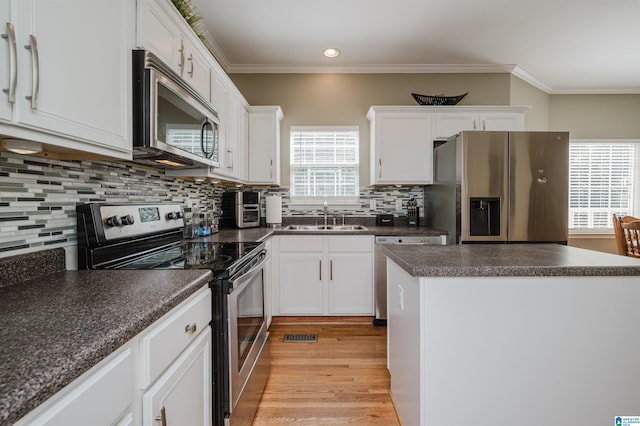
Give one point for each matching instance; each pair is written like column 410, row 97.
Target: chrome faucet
column 326, row 212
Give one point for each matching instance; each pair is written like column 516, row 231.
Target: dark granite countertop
column 508, row 260
column 261, row 233
column 56, row 327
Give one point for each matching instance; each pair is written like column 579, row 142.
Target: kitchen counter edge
column 106, row 311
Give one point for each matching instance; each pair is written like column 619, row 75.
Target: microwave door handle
column 206, row 124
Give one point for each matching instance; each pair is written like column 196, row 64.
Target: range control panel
column 125, row 221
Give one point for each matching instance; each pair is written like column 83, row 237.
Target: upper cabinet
column 264, row 144
column 232, row 110
column 400, row 145
column 449, row 121
column 65, row 77
column 162, row 30
column 402, row 137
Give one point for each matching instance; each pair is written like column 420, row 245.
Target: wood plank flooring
column 341, row 379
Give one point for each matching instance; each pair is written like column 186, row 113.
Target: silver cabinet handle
column 271, row 168
column 162, row 418
column 484, row 125
column 331, row 270
column 474, row 124
column 13, row 62
column 229, row 159
column 190, row 59
column 380, row 168
column 35, row 67
column 190, row 328
column 181, row 50
column 320, row 270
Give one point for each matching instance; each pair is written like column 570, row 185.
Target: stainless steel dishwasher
column 380, row 273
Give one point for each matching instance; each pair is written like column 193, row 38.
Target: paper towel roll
column 274, row 210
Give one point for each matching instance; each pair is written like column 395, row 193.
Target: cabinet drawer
column 301, row 243
column 165, row 340
column 350, row 244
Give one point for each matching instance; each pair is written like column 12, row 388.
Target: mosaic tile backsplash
column 38, row 197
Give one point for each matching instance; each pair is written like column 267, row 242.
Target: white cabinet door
column 402, row 148
column 324, row 275
column 158, row 33
column 264, row 144
column 102, row 396
column 452, row 120
column 449, row 123
column 501, row 121
column 196, row 70
column 301, row 284
column 162, row 31
column 8, row 69
column 182, row 395
column 74, row 70
column 350, row 283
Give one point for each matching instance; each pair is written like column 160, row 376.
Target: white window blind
column 602, row 181
column 324, row 162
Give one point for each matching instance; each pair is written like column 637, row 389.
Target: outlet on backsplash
column 399, row 205
column 372, row 204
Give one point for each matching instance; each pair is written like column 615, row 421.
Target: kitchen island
column 512, row 334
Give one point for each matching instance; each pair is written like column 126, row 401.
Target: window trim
column 307, row 201
column 636, row 189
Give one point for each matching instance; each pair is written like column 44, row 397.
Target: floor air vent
column 292, row 338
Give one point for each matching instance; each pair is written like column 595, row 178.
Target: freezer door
column 538, row 186
column 483, row 200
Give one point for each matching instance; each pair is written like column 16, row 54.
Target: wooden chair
column 627, row 231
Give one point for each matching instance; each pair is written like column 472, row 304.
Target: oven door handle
column 247, row 275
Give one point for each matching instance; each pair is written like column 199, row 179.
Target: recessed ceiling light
column 331, row 52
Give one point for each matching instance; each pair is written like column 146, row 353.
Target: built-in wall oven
column 149, row 236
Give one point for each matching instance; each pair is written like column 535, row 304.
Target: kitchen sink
column 324, row 228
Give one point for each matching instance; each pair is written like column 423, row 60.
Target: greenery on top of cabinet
column 190, row 15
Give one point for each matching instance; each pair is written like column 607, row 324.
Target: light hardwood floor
column 341, row 379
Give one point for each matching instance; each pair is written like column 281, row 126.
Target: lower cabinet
column 182, row 395
column 323, row 275
column 160, row 377
column 103, row 396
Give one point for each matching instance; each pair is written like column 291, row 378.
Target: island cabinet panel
column 551, row 350
column 403, row 343
column 323, row 275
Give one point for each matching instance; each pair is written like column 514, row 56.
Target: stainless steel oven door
column 247, row 328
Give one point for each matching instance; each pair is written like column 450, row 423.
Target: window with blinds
column 602, row 181
column 324, row 163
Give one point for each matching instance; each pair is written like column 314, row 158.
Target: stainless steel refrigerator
column 501, row 187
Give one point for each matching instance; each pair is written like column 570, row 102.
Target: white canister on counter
column 274, row 210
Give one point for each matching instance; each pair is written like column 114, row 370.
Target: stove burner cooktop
column 218, row 256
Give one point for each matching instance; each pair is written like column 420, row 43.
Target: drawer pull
column 190, row 328
column 162, row 418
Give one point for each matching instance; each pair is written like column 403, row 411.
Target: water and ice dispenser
column 484, row 216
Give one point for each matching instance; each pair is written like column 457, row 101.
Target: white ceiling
column 560, row 46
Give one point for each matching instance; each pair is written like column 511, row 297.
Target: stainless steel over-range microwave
column 173, row 125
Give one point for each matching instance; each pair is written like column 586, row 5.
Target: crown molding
column 411, row 69
column 371, row 69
